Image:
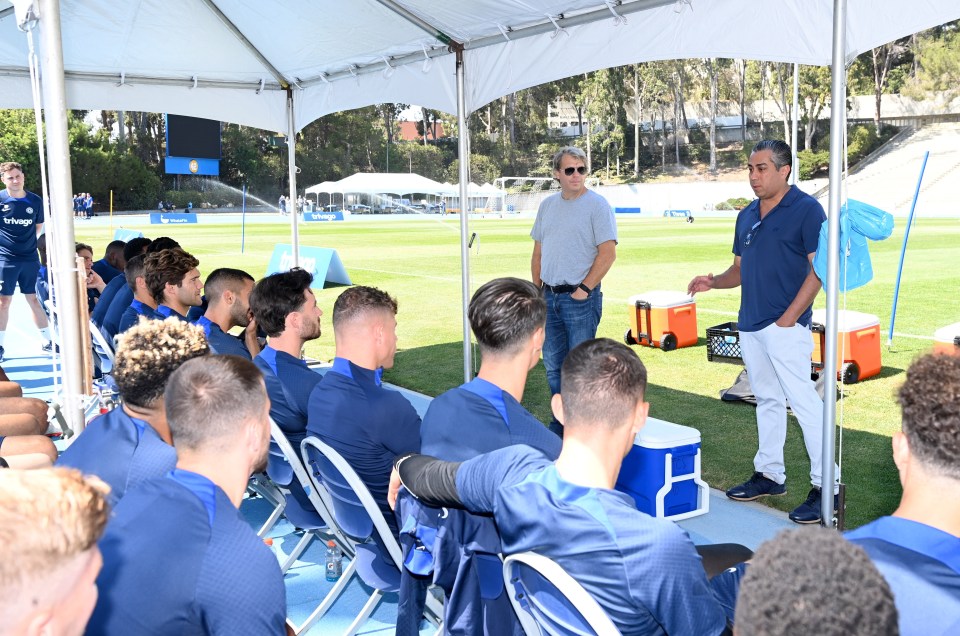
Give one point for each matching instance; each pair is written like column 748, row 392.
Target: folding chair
column 283, row 467
column 540, row 589
column 261, row 485
column 102, row 349
column 378, row 555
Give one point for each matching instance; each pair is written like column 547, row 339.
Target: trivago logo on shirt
column 23, row 222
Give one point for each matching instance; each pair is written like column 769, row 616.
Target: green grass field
column 418, row 261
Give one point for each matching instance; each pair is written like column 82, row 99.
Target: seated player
column 112, row 263
column 917, row 549
column 109, row 319
column 644, row 572
column 811, row 581
column 174, row 281
column 350, row 411
column 95, row 284
column 178, row 558
column 284, row 306
column 50, row 521
column 507, row 316
column 141, row 303
column 228, row 295
column 132, row 443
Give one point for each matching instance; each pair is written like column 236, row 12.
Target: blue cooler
column 662, row 472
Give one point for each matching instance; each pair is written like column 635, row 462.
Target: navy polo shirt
column 366, row 423
column 289, row 383
column 120, row 303
column 221, row 342
column 922, row 566
column 775, row 263
column 18, row 229
column 167, row 312
column 178, row 558
column 121, row 450
column 479, row 417
column 131, row 315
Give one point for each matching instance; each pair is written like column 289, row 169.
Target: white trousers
column 778, row 365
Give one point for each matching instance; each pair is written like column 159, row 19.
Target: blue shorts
column 23, row 273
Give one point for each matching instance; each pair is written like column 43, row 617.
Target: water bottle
column 334, row 561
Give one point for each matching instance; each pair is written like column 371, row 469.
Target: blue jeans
column 569, row 322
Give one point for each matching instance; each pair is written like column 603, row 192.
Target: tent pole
column 837, row 125
column 463, row 152
column 794, row 136
column 292, row 166
column 59, row 216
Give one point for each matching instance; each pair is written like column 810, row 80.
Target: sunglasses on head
column 571, row 170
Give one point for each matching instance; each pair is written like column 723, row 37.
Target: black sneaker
column 756, row 487
column 809, row 510
column 1, row 354
column 48, row 348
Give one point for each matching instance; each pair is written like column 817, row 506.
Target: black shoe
column 1, row 354
column 756, row 487
column 809, row 510
column 48, row 348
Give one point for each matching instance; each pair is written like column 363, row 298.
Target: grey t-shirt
column 569, row 233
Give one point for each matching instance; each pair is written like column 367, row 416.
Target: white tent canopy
column 382, row 183
column 233, row 60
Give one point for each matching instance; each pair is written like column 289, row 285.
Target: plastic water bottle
column 334, row 561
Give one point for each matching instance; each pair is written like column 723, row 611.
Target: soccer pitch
column 417, row 259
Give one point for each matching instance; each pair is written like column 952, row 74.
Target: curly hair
column 930, row 405
column 149, row 352
column 504, row 313
column 47, row 516
column 166, row 266
column 357, row 301
column 813, row 581
column 277, row 296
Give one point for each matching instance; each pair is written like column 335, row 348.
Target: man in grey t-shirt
column 575, row 243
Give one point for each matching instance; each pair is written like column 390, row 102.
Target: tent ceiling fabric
column 180, row 56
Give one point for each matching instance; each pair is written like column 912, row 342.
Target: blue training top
column 366, row 423
column 19, row 219
column 221, row 342
column 106, row 298
column 922, row 566
column 645, row 572
column 178, row 558
column 776, row 262
column 121, row 450
column 289, row 383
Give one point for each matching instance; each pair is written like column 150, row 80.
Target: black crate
column 723, row 343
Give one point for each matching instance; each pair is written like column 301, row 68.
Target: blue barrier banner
column 681, row 213
column 172, row 218
column 333, row 215
column 324, row 263
column 125, row 235
column 626, row 210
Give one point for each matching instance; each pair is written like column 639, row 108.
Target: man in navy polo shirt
column 132, row 443
column 112, row 263
column 917, row 549
column 644, row 572
column 21, row 222
column 774, row 244
column 135, row 248
column 284, row 306
column 174, row 281
column 366, row 423
column 228, row 297
column 178, row 558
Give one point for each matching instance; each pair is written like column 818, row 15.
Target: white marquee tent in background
column 267, row 64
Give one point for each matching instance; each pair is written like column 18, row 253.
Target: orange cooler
column 858, row 344
column 665, row 319
column 947, row 339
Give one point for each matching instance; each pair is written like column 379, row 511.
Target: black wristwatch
column 585, row 288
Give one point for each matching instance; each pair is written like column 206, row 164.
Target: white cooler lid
column 661, row 299
column 847, row 321
column 948, row 333
column 661, row 434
